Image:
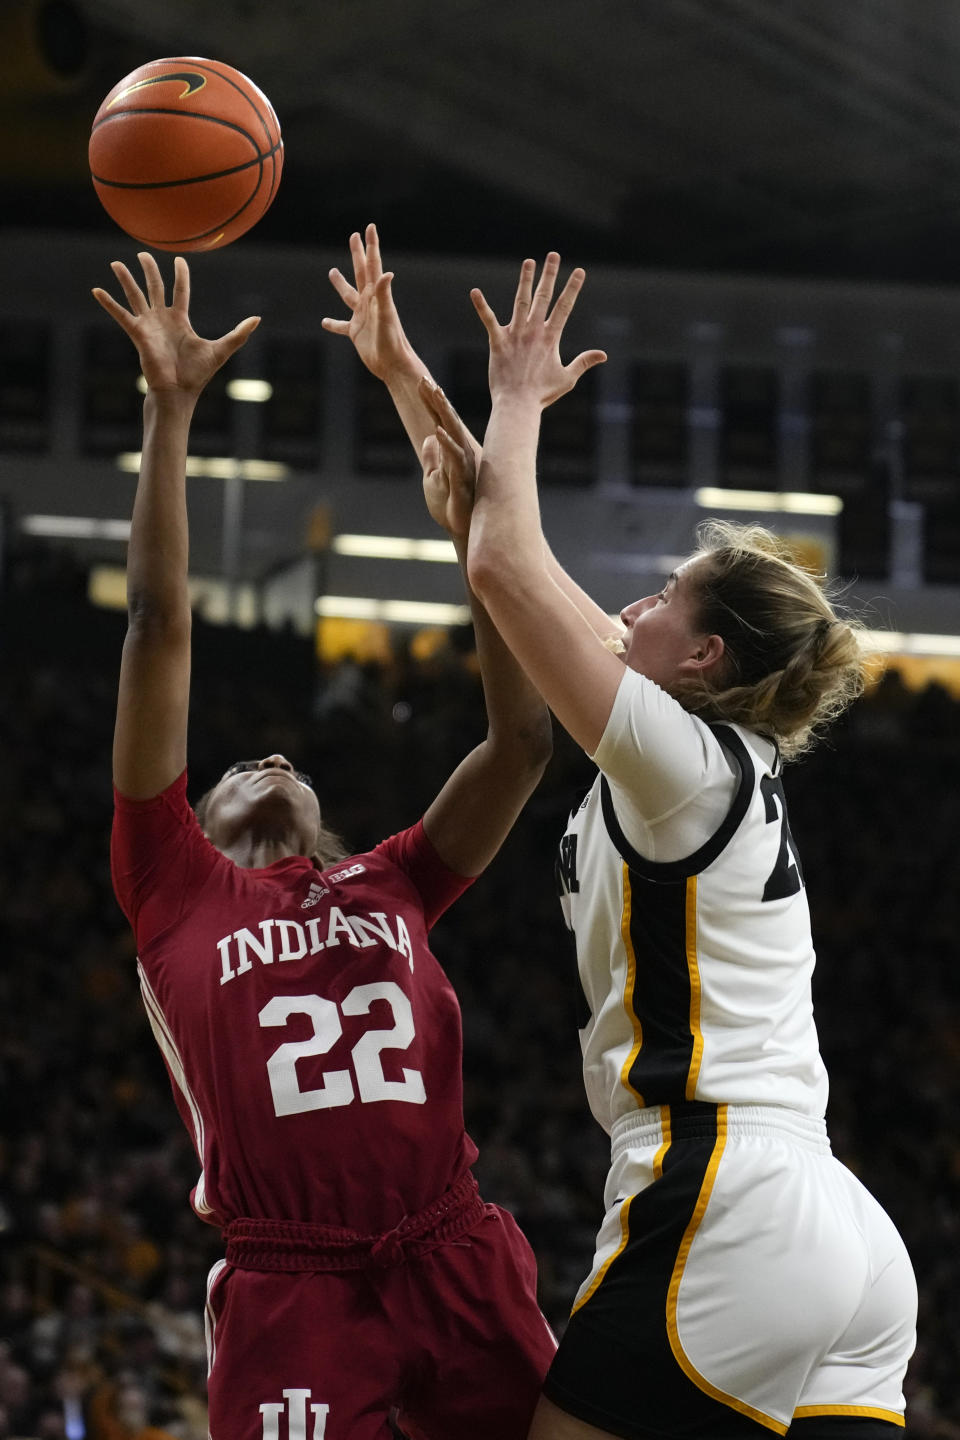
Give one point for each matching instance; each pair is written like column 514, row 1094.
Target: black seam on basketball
column 240, row 90
column 187, row 115
column 274, row 181
column 221, row 225
column 257, row 159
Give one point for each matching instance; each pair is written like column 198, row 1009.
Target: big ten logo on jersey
column 292, row 1411
column 347, row 874
column 566, row 866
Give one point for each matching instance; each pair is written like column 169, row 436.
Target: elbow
column 492, row 576
column 153, row 620
column 529, row 749
column 480, row 571
column 490, row 561
column 540, row 746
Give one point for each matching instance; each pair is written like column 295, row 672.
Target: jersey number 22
column 338, row 1085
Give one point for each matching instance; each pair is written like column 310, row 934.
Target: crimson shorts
column 448, row 1337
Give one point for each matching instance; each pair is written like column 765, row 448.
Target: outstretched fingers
column 567, row 299
column 367, row 270
column 153, row 279
column 457, row 456
column 530, row 304
column 348, row 293
column 359, row 257
column 524, row 296
column 546, row 286
column 181, row 285
column 113, row 308
column 441, row 409
column 490, row 322
column 374, row 262
column 449, row 462
column 135, row 296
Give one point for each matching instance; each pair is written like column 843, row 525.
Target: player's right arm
column 150, row 737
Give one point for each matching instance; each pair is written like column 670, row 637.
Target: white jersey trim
column 168, row 1048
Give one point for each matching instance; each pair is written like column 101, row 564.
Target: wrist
column 519, row 401
column 403, row 374
column 519, row 411
column 170, row 403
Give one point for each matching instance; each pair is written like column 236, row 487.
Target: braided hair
column 791, row 663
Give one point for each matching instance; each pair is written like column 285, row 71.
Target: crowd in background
column 102, row 1261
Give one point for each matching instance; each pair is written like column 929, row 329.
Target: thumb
column 430, row 453
column 228, row 344
column 586, row 360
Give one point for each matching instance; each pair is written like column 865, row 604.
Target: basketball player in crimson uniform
column 312, row 1040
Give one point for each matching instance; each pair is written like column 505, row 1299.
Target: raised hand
column 449, row 465
column 173, row 356
column 525, row 353
column 374, row 325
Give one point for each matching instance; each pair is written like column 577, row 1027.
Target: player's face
column 661, row 633
column 265, row 797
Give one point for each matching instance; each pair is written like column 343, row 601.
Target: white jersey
column 681, row 884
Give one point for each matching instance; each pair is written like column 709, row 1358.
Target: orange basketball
column 185, row 154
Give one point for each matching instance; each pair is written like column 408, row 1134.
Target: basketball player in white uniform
column 744, row 1282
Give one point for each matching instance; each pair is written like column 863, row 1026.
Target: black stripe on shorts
column 615, row 1367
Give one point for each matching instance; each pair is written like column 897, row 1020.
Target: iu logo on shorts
column 294, row 1406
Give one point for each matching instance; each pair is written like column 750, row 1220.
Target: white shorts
column 744, row 1280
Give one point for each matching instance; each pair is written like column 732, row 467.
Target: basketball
column 185, row 154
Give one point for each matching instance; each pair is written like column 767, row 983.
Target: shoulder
column 411, row 852
column 646, row 718
column 174, row 797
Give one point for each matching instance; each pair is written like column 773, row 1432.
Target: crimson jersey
column 312, row 1039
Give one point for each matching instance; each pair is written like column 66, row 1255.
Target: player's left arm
column 375, row 329
column 476, row 809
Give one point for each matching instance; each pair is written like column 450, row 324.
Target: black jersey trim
column 708, row 852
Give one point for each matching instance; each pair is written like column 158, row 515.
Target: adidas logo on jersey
column 314, row 894
column 346, row 874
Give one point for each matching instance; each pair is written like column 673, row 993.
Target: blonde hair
column 791, row 663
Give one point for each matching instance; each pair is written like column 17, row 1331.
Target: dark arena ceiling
column 791, row 137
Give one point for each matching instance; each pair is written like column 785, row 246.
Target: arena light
column 75, row 527
column 216, row 467
column 772, row 502
column 394, row 547
column 255, row 391
column 222, row 603
column 898, row 642
column 400, row 612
